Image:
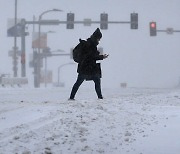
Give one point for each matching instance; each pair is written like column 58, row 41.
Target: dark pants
column 80, row 80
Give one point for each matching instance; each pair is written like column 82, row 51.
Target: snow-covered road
column 127, row 121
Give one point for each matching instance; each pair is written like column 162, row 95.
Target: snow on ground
column 127, row 121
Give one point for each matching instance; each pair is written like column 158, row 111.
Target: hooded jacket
column 90, row 55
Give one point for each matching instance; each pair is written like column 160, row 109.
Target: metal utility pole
column 23, row 53
column 34, row 58
column 15, row 45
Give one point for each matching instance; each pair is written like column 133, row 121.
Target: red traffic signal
column 153, row 31
column 153, row 25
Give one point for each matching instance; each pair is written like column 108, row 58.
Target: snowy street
column 127, row 121
column 124, row 51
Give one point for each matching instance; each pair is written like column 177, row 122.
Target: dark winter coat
column 89, row 56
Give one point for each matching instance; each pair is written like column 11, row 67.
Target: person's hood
column 97, row 34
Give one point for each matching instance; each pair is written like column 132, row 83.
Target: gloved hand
column 105, row 56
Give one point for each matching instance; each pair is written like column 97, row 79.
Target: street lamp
column 59, row 71
column 39, row 41
column 40, row 18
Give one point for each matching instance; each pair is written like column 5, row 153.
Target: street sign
column 11, row 53
column 169, row 30
column 43, row 40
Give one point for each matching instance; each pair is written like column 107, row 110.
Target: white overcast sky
column 135, row 57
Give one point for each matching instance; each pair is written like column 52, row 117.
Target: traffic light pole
column 160, row 30
column 15, row 45
column 57, row 22
column 176, row 31
column 23, row 53
column 99, row 22
column 153, row 30
column 38, row 75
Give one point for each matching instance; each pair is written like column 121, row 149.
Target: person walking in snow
column 88, row 69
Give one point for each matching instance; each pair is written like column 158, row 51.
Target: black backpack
column 77, row 51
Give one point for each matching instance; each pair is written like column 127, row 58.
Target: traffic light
column 46, row 52
column 134, row 21
column 153, row 31
column 104, row 21
column 70, row 21
column 15, row 31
